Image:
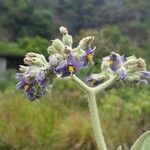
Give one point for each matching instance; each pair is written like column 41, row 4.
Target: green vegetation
column 57, row 123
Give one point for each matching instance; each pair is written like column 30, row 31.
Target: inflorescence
column 37, row 77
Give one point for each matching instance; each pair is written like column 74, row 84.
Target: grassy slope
column 61, row 119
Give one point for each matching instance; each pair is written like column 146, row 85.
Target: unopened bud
column 141, row 64
column 63, row 30
column 58, row 45
column 67, row 40
column 36, row 55
column 133, row 78
column 87, row 41
column 55, row 59
column 34, row 61
column 96, row 79
column 23, row 69
column 51, row 50
column 67, row 50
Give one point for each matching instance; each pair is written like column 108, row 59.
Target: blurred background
column 60, row 121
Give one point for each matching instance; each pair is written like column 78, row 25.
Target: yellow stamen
column 71, row 69
column 26, row 87
column 110, row 62
column 89, row 57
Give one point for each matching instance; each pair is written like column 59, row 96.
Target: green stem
column 91, row 93
column 96, row 122
column 104, row 85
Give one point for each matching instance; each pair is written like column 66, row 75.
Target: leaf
column 143, row 142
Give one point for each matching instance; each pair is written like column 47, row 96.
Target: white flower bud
column 58, row 45
column 87, row 41
column 138, row 65
column 55, row 59
column 130, row 60
column 36, row 55
column 34, row 61
column 63, row 30
column 105, row 64
column 23, row 69
column 67, row 40
column 133, row 78
column 51, row 50
column 66, row 50
column 98, row 77
column 141, row 64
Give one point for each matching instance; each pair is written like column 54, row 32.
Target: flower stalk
column 91, row 96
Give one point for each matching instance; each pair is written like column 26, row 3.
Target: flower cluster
column 129, row 69
column 39, row 74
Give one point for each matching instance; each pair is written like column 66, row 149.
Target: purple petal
column 145, row 74
column 21, row 84
column 89, row 50
column 30, row 94
column 61, row 66
column 122, row 74
column 70, row 60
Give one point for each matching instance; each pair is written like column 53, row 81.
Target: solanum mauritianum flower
column 68, row 67
column 88, row 56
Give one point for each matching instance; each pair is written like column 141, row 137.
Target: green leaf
column 143, row 142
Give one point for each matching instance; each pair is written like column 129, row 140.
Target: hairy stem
column 81, row 84
column 91, row 94
column 96, row 122
column 104, row 85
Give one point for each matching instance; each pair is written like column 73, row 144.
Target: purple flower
column 145, row 75
column 115, row 61
column 30, row 93
column 122, row 74
column 88, row 56
column 71, row 66
column 28, row 83
column 42, row 79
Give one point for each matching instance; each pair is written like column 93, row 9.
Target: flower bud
column 23, row 69
column 66, row 50
column 55, row 59
column 133, row 78
column 67, row 40
column 87, row 41
column 34, row 61
column 96, row 79
column 58, row 45
column 63, row 30
column 51, row 50
column 36, row 55
column 141, row 64
column 105, row 64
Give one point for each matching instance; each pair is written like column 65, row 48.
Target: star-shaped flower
column 71, row 66
column 88, row 56
column 115, row 61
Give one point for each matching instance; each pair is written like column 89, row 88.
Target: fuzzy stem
column 96, row 122
column 81, row 84
column 104, row 85
column 91, row 94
